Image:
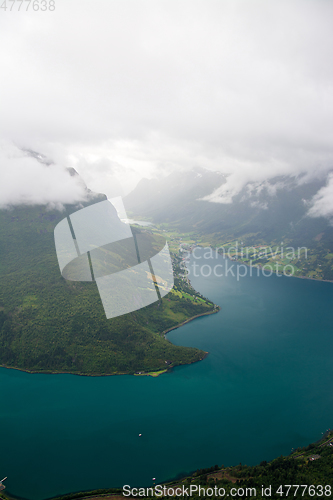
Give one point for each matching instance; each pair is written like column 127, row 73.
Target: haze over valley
column 166, row 248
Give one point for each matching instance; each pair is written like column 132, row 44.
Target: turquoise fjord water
column 266, row 386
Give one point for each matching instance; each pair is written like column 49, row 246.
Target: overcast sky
column 121, row 89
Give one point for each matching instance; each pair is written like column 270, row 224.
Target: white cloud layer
column 125, row 88
column 323, row 201
column 24, row 180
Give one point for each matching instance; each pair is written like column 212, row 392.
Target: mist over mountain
column 49, row 323
column 240, row 87
column 29, row 177
column 272, row 210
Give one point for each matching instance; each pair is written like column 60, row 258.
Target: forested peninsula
column 52, row 325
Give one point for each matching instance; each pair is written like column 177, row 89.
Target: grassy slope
column 50, row 324
column 316, row 262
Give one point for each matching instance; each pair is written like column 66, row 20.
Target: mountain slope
column 262, row 213
column 50, row 324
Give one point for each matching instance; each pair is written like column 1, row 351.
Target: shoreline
column 169, row 368
column 151, row 374
column 115, row 493
column 260, row 266
column 286, row 275
column 214, row 311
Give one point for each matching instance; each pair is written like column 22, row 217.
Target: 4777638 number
column 36, row 5
column 292, row 490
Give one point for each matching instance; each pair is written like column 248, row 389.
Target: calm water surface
column 267, row 386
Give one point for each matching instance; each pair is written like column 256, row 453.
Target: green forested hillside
column 306, row 473
column 50, row 324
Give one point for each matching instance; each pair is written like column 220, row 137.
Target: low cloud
column 323, row 201
column 141, row 89
column 25, row 180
